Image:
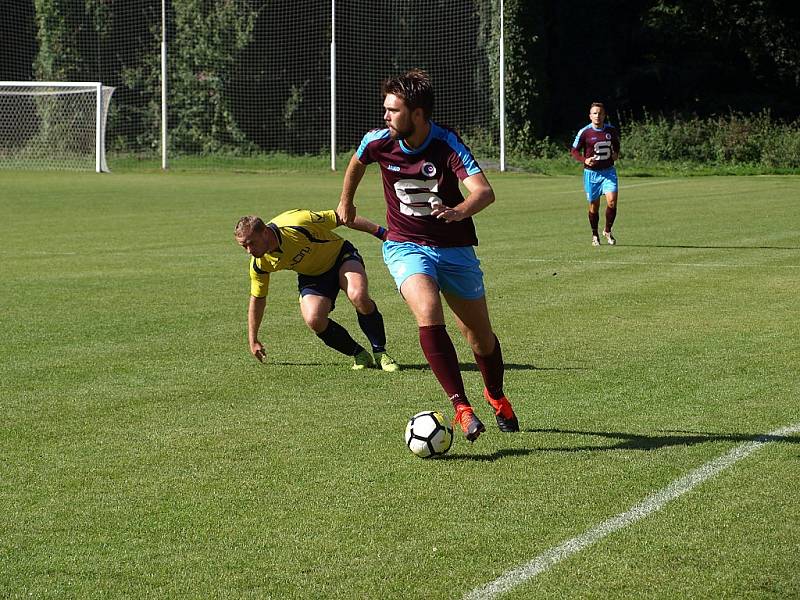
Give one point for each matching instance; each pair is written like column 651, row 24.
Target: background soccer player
column 303, row 241
column 429, row 249
column 597, row 147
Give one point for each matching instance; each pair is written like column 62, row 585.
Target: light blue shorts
column 455, row 270
column 597, row 183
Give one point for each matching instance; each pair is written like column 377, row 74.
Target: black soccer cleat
column 507, row 425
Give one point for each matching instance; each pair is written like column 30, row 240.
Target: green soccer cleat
column 363, row 360
column 386, row 362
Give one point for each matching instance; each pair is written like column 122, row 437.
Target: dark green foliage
column 527, row 92
column 680, row 56
column 694, row 59
column 17, row 41
column 295, row 119
column 59, row 57
column 733, row 139
column 207, row 41
column 707, row 57
column 131, row 63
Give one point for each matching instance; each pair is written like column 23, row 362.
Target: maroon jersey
column 600, row 143
column 415, row 180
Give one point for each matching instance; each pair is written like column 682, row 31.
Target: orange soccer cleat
column 470, row 424
column 506, row 419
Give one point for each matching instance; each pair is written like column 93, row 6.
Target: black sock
column 372, row 326
column 336, row 337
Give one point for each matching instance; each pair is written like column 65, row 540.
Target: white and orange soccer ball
column 428, row 434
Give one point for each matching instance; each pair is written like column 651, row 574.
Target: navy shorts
column 327, row 284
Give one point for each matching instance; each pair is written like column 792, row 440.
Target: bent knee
column 361, row 302
column 316, row 323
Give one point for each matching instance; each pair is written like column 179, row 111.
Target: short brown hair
column 414, row 87
column 599, row 104
column 247, row 225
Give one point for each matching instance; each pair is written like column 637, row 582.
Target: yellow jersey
column 306, row 244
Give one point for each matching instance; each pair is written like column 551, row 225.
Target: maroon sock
column 611, row 214
column 441, row 355
column 594, row 221
column 492, row 368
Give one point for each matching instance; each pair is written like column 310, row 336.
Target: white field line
column 35, row 254
column 649, row 505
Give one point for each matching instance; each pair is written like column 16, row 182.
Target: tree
column 17, row 42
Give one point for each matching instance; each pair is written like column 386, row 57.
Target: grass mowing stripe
column 649, row 505
column 629, row 185
column 639, row 263
column 145, row 453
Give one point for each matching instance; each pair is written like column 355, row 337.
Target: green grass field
column 145, row 454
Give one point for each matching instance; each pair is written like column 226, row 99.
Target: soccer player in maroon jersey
column 429, row 249
column 597, row 147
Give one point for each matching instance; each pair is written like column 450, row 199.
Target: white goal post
column 53, row 124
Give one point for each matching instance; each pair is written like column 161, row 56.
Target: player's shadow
column 285, row 363
column 633, row 441
column 621, row 441
column 427, row 367
column 508, row 367
column 496, row 455
column 704, row 247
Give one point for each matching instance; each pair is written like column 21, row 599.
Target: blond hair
column 247, row 226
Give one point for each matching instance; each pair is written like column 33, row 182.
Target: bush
column 725, row 141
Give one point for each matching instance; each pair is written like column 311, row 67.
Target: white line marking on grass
column 651, row 504
column 36, row 254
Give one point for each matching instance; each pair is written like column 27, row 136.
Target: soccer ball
column 428, row 434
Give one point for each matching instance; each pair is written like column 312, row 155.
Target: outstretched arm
column 255, row 313
column 361, row 224
column 346, row 211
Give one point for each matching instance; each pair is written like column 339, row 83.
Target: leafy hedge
column 545, row 72
column 208, row 37
column 733, row 143
column 733, row 139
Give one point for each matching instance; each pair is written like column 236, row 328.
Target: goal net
column 453, row 40
column 53, row 125
column 243, row 77
column 280, row 81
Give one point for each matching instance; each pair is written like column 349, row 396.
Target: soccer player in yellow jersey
column 303, row 241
